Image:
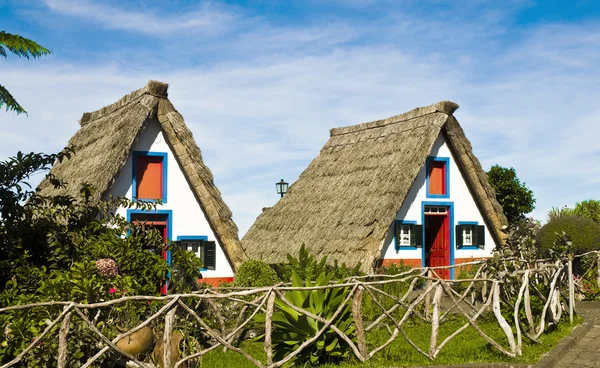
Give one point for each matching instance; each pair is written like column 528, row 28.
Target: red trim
column 407, row 262
column 214, row 281
column 416, row 263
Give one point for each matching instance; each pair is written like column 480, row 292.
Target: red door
column 161, row 226
column 437, row 242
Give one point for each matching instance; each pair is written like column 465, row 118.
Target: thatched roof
column 104, row 143
column 343, row 204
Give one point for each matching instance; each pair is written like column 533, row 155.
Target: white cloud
column 208, row 18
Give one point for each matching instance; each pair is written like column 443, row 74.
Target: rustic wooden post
column 268, row 326
column 501, row 321
column 484, row 287
column 428, row 296
column 571, row 288
column 62, row 339
column 358, row 323
column 435, row 320
column 598, row 266
column 528, row 314
column 169, row 322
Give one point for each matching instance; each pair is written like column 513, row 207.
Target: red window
column 149, row 177
column 437, row 177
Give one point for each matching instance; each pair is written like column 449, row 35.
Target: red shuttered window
column 149, row 177
column 437, row 177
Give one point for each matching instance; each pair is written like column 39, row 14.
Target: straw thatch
column 344, row 203
column 104, row 143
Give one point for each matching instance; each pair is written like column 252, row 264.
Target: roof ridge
column 153, row 88
column 444, row 107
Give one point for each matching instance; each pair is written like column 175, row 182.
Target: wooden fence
column 424, row 296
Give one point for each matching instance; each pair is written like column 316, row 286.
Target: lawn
column 467, row 347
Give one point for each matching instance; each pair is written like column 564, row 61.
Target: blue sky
column 260, row 83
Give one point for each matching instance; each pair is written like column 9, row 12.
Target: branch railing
column 504, row 293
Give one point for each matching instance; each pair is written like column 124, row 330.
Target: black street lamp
column 281, row 187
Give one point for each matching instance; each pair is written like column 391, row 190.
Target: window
column 404, row 234
column 467, row 235
column 150, row 176
column 436, row 210
column 470, row 235
column 204, row 249
column 437, row 177
column 407, row 234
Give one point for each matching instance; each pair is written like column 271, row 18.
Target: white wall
column 465, row 209
column 188, row 217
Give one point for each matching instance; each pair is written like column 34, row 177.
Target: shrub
column 582, row 233
column 255, row 273
column 307, row 267
column 292, row 329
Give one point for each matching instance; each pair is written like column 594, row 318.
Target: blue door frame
column 450, row 206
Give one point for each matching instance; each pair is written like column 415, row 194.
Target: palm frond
column 11, row 104
column 21, row 46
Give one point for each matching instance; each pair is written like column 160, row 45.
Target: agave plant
column 292, row 329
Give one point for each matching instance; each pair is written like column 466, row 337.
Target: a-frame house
column 407, row 188
column 139, row 147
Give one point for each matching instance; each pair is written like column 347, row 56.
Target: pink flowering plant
column 107, row 267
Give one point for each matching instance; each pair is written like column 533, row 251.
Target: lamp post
column 281, row 187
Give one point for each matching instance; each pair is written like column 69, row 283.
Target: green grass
column 467, row 347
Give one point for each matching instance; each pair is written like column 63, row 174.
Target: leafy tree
column 22, row 47
column 588, row 209
column 514, row 197
column 556, row 212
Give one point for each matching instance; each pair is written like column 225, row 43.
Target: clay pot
column 158, row 352
column 139, row 342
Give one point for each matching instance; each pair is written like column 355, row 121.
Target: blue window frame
column 168, row 213
column 200, row 252
column 470, row 235
column 165, row 171
column 428, row 166
column 407, row 235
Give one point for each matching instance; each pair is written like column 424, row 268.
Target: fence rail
column 421, row 295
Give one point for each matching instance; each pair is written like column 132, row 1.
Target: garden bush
column 308, row 267
column 582, row 233
column 292, row 329
column 255, row 273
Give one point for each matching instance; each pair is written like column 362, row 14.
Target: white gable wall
column 464, row 207
column 188, row 219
